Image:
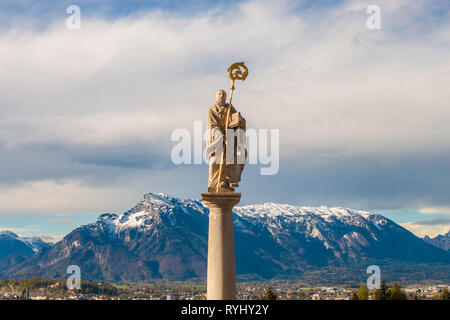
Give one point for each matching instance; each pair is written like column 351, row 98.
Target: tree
column 397, row 293
column 269, row 294
column 382, row 293
column 363, row 294
column 445, row 295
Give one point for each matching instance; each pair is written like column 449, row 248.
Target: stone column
column 221, row 273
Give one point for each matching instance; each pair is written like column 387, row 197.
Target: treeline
column 87, row 287
column 394, row 293
column 33, row 283
column 101, row 288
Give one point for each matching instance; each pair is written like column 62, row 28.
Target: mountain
column 15, row 249
column 164, row 237
column 11, row 243
column 440, row 241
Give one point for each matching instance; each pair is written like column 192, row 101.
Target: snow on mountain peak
column 152, row 208
column 34, row 243
column 155, row 208
column 272, row 210
column 7, row 233
column 158, row 198
column 107, row 216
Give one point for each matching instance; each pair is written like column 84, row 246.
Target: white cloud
column 52, row 238
column 61, row 197
column 35, row 231
column 23, row 231
column 62, row 220
column 422, row 230
column 437, row 209
column 331, row 84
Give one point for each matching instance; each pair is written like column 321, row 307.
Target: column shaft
column 221, row 273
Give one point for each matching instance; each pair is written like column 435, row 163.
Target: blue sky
column 86, row 115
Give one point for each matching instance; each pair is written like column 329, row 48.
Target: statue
column 223, row 175
column 231, row 176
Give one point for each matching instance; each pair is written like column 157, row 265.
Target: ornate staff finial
column 235, row 72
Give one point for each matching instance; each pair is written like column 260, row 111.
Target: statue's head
column 221, row 97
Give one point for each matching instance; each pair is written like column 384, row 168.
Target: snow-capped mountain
column 15, row 249
column 440, row 241
column 166, row 237
column 10, row 243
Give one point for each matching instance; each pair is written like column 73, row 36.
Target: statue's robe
column 231, row 174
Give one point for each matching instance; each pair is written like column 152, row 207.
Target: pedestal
column 221, row 273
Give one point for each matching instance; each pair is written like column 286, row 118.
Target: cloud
column 433, row 222
column 430, row 227
column 52, row 238
column 23, row 231
column 120, row 82
column 62, row 220
column 363, row 115
column 32, row 231
column 57, row 197
column 431, row 210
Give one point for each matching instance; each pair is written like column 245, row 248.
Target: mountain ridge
column 165, row 237
column 441, row 241
column 34, row 243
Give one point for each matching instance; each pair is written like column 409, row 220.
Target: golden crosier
column 234, row 73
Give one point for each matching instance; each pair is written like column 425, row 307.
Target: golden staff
column 234, row 73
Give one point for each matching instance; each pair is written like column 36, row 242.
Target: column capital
column 221, row 199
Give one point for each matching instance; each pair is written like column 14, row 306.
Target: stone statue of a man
column 231, row 174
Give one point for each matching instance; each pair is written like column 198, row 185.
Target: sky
column 86, row 116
